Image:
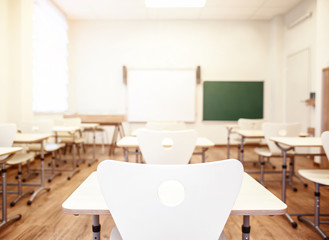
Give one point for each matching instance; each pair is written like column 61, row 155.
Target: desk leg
column 228, row 142
column 126, row 154
column 284, row 170
column 246, row 227
column 241, row 149
column 94, row 149
column 203, row 153
column 4, row 220
column 96, row 228
column 42, row 187
column 114, row 140
column 74, row 170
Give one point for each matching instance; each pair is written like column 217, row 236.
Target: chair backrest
column 250, row 124
column 7, row 135
column 39, row 126
column 279, row 130
column 165, row 125
column 325, row 142
column 70, row 122
column 188, row 201
column 167, row 147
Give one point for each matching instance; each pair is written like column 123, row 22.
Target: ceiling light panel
column 175, row 3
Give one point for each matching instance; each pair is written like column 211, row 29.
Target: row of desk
column 285, row 144
column 253, row 199
column 36, row 138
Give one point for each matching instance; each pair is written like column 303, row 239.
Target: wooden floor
column 44, row 219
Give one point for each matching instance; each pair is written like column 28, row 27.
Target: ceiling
column 214, row 9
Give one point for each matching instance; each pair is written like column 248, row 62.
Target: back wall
column 225, row 50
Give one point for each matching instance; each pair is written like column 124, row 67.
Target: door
column 298, row 88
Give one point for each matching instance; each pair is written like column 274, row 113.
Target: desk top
column 253, row 199
column 298, row 141
column 9, row 150
column 250, row 133
column 133, row 142
column 30, row 137
column 87, row 126
column 68, row 129
column 102, row 119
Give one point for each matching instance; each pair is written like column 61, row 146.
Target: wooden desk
column 289, row 143
column 105, row 120
column 132, row 142
column 3, row 152
column 35, row 138
column 253, row 199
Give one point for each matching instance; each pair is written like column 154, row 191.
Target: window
column 50, row 54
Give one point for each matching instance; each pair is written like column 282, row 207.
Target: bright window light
column 175, row 3
column 50, row 58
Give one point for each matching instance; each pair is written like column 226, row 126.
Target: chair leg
column 269, row 163
column 316, row 223
column 53, row 165
column 292, row 174
column 19, row 185
column 262, row 163
column 29, row 171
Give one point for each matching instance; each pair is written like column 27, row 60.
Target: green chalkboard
column 231, row 100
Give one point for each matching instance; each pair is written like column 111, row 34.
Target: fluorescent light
column 175, row 3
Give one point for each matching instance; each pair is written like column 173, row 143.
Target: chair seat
column 21, row 158
column 249, row 141
column 115, row 235
column 49, row 147
column 70, row 140
column 316, row 175
column 265, row 152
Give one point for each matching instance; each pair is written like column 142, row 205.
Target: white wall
column 322, row 56
column 16, row 60
column 225, row 50
column 300, row 39
column 4, row 89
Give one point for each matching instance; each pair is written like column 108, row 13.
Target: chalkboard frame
column 231, row 100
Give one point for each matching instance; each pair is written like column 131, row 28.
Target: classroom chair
column 272, row 129
column 7, row 136
column 320, row 177
column 186, row 201
column 249, row 124
column 167, row 147
column 70, row 140
column 165, row 125
column 51, row 146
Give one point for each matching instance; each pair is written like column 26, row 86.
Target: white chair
column 244, row 124
column 272, row 129
column 51, row 146
column 167, row 147
column 7, row 136
column 320, row 177
column 70, row 139
column 165, row 125
column 250, row 124
column 176, row 202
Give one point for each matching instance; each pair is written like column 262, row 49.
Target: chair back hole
column 35, row 129
column 167, row 143
column 283, row 132
column 171, row 193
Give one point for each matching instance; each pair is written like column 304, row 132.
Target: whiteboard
column 161, row 95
